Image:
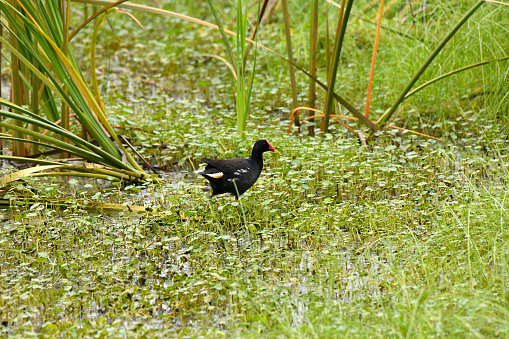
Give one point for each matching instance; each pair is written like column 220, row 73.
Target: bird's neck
column 257, row 155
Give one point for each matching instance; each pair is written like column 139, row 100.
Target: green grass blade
column 387, row 115
column 313, row 60
column 39, row 121
column 29, row 160
column 334, row 69
column 93, row 43
column 60, row 144
column 95, row 15
column 443, row 76
column 289, row 50
column 77, row 88
column 223, row 34
column 35, row 142
column 50, row 81
column 147, row 9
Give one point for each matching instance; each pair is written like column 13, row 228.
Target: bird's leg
column 236, row 190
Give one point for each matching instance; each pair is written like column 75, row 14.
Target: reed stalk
column 335, row 64
column 387, row 115
column 313, row 60
column 289, row 50
column 373, row 59
column 44, row 69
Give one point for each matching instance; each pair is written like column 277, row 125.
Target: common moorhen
column 225, row 174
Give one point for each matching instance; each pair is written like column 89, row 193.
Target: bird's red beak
column 272, row 148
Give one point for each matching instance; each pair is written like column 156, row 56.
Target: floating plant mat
column 307, row 252
column 406, row 237
column 91, row 264
column 36, row 194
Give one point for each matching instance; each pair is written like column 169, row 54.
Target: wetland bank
column 405, row 236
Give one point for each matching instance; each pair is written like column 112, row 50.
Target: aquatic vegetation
column 403, row 236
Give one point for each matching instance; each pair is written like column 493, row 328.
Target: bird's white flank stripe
column 215, row 175
column 242, row 170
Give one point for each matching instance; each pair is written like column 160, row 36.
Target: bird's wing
column 227, row 166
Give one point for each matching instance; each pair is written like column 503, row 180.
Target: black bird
column 224, row 174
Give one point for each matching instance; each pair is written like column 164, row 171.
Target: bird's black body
column 223, row 175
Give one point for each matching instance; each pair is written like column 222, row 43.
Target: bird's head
column 264, row 146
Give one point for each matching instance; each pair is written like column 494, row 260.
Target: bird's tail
column 211, row 173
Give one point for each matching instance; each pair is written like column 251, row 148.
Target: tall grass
column 237, row 59
column 313, row 60
column 333, row 69
column 408, row 240
column 387, row 115
column 394, row 11
column 45, row 75
column 291, row 68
